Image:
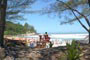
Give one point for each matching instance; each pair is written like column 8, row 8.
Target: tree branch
column 86, row 19
column 80, row 22
column 77, row 12
column 89, row 2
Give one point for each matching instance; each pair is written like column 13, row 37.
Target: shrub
column 73, row 51
column 51, row 44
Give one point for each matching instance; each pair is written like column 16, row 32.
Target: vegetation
column 73, row 51
column 14, row 29
column 51, row 44
column 11, row 10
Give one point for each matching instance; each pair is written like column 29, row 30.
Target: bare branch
column 80, row 22
column 88, row 22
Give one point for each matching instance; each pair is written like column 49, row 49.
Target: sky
column 45, row 23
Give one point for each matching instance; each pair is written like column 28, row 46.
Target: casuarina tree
column 11, row 10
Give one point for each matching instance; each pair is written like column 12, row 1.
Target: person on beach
column 46, row 37
column 47, row 40
column 40, row 37
column 27, row 43
column 32, row 45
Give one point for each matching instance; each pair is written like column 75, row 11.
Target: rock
column 2, row 53
column 57, row 53
column 35, row 55
column 85, row 52
column 21, row 54
column 24, row 58
column 9, row 58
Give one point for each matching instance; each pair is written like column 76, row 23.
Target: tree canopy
column 60, row 8
column 16, row 8
column 16, row 28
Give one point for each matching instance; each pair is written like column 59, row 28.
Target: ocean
column 60, row 39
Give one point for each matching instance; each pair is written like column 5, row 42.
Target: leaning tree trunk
column 89, row 35
column 3, row 6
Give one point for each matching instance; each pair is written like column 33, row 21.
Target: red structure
column 46, row 38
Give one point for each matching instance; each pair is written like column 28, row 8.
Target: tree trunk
column 89, row 36
column 89, row 2
column 2, row 20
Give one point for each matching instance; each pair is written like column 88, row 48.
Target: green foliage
column 51, row 44
column 63, row 57
column 73, row 51
column 11, row 44
column 29, row 28
column 16, row 9
column 14, row 29
column 58, row 8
